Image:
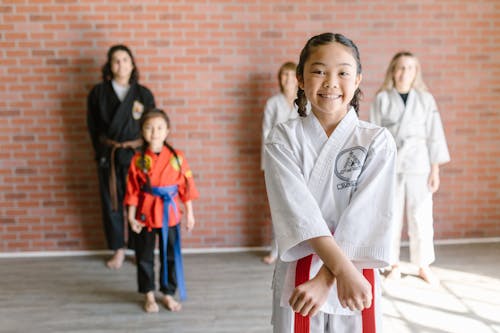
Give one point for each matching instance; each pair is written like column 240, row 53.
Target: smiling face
column 330, row 79
column 404, row 73
column 155, row 131
column 288, row 82
column 121, row 66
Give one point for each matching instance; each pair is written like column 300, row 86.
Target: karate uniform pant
column 145, row 244
column 273, row 252
column 323, row 322
column 113, row 221
column 414, row 198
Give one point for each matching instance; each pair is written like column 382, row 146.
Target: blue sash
column 167, row 193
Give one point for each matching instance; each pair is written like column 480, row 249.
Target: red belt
column 302, row 324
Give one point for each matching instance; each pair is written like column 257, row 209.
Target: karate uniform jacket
column 277, row 111
column 416, row 128
column 108, row 118
column 319, row 186
column 163, row 170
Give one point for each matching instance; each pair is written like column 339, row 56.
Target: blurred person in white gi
column 279, row 108
column 404, row 106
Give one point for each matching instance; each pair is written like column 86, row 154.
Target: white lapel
column 405, row 109
column 329, row 150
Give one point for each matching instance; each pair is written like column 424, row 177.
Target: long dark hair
column 107, row 75
column 324, row 39
column 147, row 115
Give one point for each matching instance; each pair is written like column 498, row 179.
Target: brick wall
column 212, row 65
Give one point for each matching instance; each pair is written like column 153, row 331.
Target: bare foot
column 269, row 259
column 395, row 273
column 150, row 305
column 428, row 276
column 171, row 304
column 117, row 260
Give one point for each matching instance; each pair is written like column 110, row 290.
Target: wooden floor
column 230, row 292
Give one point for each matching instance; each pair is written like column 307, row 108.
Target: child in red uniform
column 159, row 178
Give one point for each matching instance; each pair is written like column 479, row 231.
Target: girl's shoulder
column 383, row 93
column 137, row 159
column 374, row 134
column 275, row 98
column 425, row 97
column 422, row 93
column 287, row 128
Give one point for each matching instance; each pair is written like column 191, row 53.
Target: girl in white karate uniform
column 279, row 108
column 330, row 180
column 409, row 112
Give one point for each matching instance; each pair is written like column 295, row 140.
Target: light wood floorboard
column 230, row 292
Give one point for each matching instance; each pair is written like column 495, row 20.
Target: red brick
column 212, row 68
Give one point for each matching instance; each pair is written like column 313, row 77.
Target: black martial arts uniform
column 112, row 123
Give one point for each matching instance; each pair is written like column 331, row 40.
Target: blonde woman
column 405, row 107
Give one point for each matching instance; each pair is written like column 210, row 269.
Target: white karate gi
column 319, row 185
column 277, row 111
column 419, row 136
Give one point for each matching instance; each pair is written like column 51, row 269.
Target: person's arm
column 92, row 122
column 308, row 297
column 436, row 141
column 131, row 198
column 365, row 246
column 266, row 128
column 190, row 221
column 375, row 111
column 134, row 224
column 433, row 181
column 354, row 291
column 149, row 99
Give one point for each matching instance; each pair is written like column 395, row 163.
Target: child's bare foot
column 171, row 304
column 117, row 260
column 426, row 274
column 150, row 305
column 269, row 259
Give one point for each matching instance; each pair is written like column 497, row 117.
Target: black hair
column 107, row 75
column 324, row 39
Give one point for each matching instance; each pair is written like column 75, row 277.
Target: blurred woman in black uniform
column 114, row 108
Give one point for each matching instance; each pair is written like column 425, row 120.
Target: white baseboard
column 37, row 254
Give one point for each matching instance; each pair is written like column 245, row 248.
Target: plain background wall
column 211, row 66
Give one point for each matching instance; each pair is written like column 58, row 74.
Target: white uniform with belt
column 319, row 186
column 277, row 111
column 418, row 132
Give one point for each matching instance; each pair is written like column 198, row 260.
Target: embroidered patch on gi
column 137, row 110
column 144, row 164
column 175, row 164
column 348, row 166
